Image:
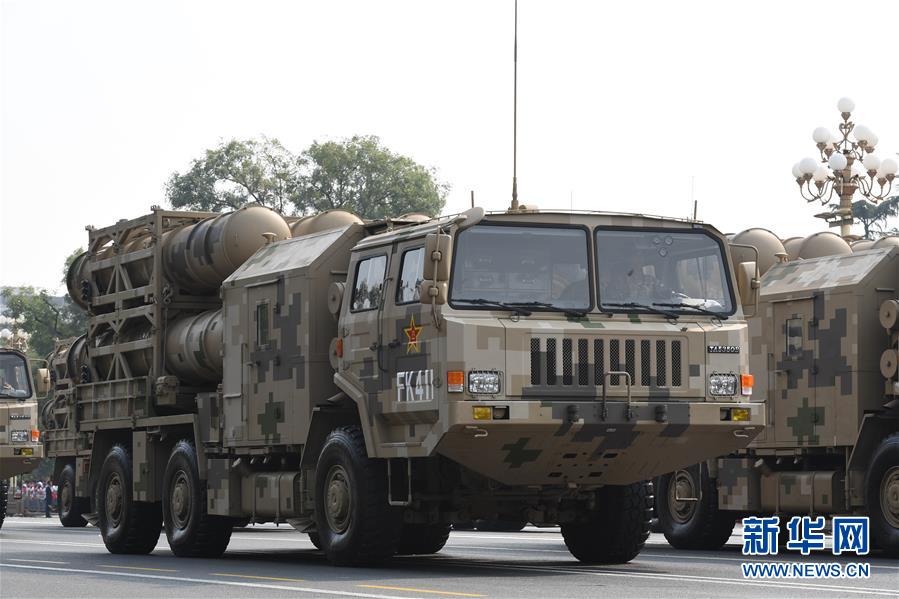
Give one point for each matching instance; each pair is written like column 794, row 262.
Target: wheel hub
column 889, row 496
column 338, row 501
column 115, row 499
column 181, row 500
column 681, row 488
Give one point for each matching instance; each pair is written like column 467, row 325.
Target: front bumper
column 584, row 443
column 15, row 459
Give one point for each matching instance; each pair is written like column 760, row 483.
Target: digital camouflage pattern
column 17, row 414
column 816, row 347
column 296, row 352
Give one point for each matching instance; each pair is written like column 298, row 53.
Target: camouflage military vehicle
column 20, row 448
column 370, row 383
column 824, row 352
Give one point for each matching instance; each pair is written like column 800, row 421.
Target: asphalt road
column 39, row 558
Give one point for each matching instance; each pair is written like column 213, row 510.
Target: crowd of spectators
column 36, row 497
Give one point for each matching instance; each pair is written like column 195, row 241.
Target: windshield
column 679, row 271
column 541, row 267
column 13, row 376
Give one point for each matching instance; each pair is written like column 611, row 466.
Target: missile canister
column 193, row 347
column 200, row 256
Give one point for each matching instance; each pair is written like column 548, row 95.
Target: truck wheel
column 316, row 540
column 354, row 522
column 692, row 524
column 422, row 539
column 127, row 526
column 69, row 506
column 882, row 495
column 4, row 494
column 190, row 530
column 616, row 531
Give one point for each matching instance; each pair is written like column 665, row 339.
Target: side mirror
column 438, row 249
column 748, row 284
column 42, row 382
column 431, row 293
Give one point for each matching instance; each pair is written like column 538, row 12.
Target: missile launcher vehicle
column 824, row 344
column 371, row 383
column 21, row 450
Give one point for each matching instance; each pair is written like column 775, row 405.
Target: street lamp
column 846, row 165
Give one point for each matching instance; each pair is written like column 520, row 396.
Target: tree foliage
column 357, row 174
column 235, row 173
column 362, row 176
column 875, row 217
column 42, row 317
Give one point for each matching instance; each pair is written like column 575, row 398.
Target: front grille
column 575, row 362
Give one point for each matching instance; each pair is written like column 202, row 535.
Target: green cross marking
column 518, row 455
column 274, row 413
column 804, row 422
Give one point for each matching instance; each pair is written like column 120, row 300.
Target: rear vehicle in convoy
column 20, row 447
column 371, row 383
column 824, row 352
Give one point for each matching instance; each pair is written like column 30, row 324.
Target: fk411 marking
column 415, row 385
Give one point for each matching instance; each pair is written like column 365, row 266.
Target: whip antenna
column 515, row 115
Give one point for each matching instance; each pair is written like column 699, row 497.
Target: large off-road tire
column 615, row 532
column 127, row 526
column 500, row 525
column 190, row 530
column 68, row 505
column 316, row 540
column 882, row 495
column 353, row 520
column 4, row 498
column 692, row 524
column 422, row 539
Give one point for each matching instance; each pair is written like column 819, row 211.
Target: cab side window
column 369, row 286
column 411, row 269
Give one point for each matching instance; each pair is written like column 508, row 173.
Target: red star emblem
column 412, row 332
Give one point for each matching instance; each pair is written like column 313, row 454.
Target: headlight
column 18, row 436
column 486, row 382
column 722, row 384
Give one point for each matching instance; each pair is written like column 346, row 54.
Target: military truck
column 371, row 383
column 21, row 450
column 824, row 352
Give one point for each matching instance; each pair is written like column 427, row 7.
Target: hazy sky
column 621, row 104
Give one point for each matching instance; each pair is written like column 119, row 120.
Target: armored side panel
column 816, row 346
column 277, row 331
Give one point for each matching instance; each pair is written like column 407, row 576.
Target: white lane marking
column 644, row 555
column 36, row 561
column 277, row 587
column 63, row 543
column 679, row 577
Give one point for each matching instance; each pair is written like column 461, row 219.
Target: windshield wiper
column 552, row 307
column 486, row 302
column 646, row 307
column 699, row 309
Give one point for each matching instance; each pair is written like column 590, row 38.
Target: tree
column 356, row 174
column 874, row 217
column 44, row 318
column 235, row 173
column 360, row 175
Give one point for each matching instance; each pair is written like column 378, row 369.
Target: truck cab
column 20, row 447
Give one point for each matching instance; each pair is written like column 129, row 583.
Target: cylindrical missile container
column 199, row 257
column 822, row 244
column 767, row 244
column 193, row 347
column 885, row 242
column 791, row 245
column 330, row 219
column 861, row 244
